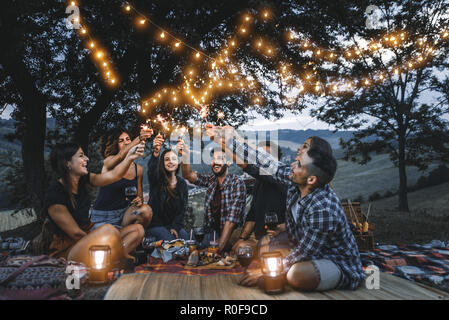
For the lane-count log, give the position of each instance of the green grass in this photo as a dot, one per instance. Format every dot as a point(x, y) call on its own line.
point(378, 175)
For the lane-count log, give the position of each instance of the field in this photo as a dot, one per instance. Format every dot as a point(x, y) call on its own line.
point(427, 220)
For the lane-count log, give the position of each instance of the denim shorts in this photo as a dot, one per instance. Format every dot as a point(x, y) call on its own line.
point(329, 274)
point(113, 217)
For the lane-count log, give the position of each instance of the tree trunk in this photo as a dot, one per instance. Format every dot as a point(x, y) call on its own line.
point(33, 127)
point(33, 154)
point(89, 119)
point(403, 201)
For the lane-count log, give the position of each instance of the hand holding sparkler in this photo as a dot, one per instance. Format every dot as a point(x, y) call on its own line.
point(182, 149)
point(157, 143)
point(145, 132)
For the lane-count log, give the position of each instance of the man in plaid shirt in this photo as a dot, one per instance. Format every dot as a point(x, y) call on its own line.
point(225, 201)
point(321, 250)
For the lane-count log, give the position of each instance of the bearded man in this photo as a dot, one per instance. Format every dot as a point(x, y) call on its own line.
point(225, 200)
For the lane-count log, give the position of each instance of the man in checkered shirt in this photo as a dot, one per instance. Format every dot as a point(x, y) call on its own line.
point(225, 201)
point(319, 249)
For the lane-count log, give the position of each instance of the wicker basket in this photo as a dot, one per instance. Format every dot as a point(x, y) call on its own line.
point(365, 242)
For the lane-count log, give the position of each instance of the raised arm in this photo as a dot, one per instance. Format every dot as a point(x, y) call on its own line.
point(111, 161)
point(153, 163)
point(108, 177)
point(244, 152)
point(187, 172)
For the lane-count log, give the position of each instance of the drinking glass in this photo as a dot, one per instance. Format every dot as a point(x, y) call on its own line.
point(130, 193)
point(199, 234)
point(245, 255)
point(271, 220)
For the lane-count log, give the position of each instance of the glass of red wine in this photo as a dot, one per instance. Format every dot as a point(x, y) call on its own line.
point(199, 235)
point(271, 220)
point(130, 193)
point(148, 247)
point(245, 255)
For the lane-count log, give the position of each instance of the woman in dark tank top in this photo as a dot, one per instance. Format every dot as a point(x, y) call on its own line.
point(111, 206)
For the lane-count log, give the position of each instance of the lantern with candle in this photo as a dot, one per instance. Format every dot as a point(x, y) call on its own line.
point(100, 261)
point(272, 269)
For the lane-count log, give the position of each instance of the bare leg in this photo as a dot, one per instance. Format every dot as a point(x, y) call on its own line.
point(131, 236)
point(303, 276)
point(104, 235)
point(143, 218)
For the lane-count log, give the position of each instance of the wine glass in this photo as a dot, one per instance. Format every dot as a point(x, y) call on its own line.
point(130, 193)
point(271, 220)
point(148, 247)
point(245, 255)
point(199, 234)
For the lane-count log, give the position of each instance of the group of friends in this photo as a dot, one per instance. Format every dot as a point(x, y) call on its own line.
point(318, 248)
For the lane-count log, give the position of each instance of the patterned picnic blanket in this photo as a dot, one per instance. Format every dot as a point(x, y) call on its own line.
point(428, 263)
point(177, 266)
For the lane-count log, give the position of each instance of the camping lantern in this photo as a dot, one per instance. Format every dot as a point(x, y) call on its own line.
point(272, 269)
point(100, 260)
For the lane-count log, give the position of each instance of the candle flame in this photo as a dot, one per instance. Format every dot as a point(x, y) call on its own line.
point(99, 258)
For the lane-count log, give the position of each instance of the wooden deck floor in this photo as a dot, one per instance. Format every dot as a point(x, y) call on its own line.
point(165, 286)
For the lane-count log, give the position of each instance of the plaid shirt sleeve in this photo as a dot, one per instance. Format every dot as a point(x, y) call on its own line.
point(263, 160)
point(238, 202)
point(202, 180)
point(320, 223)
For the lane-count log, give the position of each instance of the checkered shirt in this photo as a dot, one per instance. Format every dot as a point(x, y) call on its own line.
point(318, 227)
point(233, 198)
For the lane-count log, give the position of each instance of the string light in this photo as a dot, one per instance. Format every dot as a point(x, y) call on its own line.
point(392, 39)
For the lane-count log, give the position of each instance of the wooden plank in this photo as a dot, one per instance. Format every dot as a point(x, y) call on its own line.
point(167, 286)
point(409, 290)
point(127, 287)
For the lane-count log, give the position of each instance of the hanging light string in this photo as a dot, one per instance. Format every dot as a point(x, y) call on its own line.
point(100, 56)
point(164, 33)
point(226, 77)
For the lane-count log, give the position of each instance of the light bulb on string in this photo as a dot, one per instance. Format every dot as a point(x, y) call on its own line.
point(162, 35)
point(128, 8)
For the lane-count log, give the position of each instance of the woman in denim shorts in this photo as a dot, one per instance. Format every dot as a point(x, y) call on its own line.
point(111, 206)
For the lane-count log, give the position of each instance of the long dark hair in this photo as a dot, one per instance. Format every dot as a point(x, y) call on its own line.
point(165, 178)
point(59, 156)
point(109, 142)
